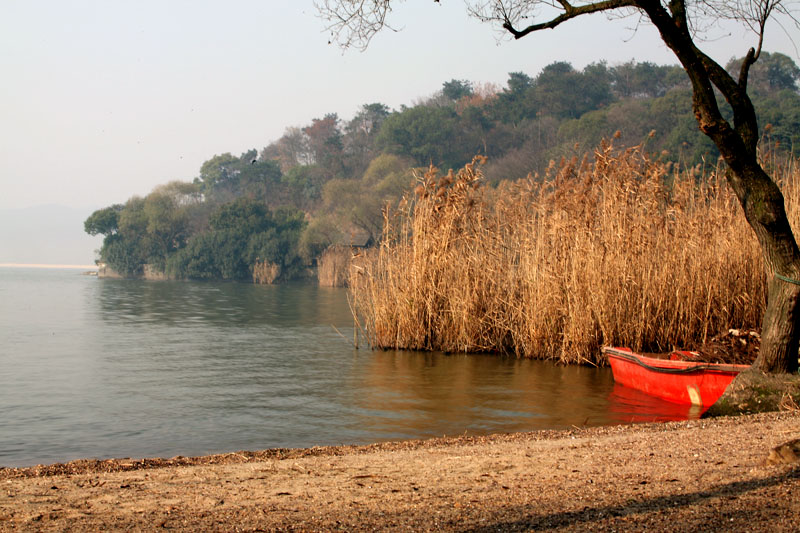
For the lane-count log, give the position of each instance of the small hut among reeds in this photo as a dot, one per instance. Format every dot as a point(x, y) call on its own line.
point(335, 263)
point(333, 266)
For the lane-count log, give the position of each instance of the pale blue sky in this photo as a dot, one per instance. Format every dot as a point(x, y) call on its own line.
point(102, 100)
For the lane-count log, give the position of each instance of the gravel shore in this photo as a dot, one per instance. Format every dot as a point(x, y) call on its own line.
point(703, 475)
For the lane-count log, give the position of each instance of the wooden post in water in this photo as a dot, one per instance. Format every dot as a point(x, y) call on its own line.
point(355, 333)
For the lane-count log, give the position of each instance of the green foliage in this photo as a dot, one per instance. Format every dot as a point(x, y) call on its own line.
point(124, 255)
point(242, 232)
point(645, 80)
point(215, 171)
point(585, 130)
point(317, 236)
point(242, 215)
point(280, 243)
point(358, 204)
point(146, 231)
point(131, 248)
point(770, 74)
point(455, 90)
point(103, 221)
point(666, 123)
point(304, 184)
point(224, 178)
point(426, 134)
point(781, 111)
point(369, 119)
point(518, 83)
point(213, 255)
point(510, 106)
point(359, 136)
point(564, 92)
point(559, 90)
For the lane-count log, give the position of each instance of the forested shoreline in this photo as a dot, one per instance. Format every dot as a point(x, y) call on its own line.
point(268, 215)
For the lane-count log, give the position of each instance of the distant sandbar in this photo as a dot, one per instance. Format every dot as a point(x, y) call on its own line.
point(34, 265)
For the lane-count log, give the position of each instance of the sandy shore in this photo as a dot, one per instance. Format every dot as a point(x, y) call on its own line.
point(707, 475)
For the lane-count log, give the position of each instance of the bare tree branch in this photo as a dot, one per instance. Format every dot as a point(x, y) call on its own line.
point(752, 14)
point(353, 23)
point(570, 12)
point(510, 14)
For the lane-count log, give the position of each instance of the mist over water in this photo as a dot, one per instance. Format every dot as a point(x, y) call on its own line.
point(96, 368)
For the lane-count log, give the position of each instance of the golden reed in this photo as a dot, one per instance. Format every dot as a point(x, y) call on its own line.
point(622, 249)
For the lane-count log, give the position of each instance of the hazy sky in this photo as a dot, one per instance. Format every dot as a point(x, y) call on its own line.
point(102, 100)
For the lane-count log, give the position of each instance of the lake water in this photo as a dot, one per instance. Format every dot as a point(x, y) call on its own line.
point(98, 368)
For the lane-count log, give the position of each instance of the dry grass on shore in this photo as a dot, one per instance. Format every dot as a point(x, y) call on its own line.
point(616, 249)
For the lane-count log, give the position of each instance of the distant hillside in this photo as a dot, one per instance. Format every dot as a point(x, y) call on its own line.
point(322, 184)
point(47, 234)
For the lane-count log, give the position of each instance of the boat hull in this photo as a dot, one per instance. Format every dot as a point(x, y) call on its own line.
point(685, 382)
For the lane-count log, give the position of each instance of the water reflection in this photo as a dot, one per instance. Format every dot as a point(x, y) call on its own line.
point(627, 405)
point(177, 303)
point(426, 394)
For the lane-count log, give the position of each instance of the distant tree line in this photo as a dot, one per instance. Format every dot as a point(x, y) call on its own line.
point(327, 182)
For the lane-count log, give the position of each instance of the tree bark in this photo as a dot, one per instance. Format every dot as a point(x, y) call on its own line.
point(779, 338)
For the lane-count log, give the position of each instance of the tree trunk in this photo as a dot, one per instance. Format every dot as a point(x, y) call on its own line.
point(763, 206)
point(779, 334)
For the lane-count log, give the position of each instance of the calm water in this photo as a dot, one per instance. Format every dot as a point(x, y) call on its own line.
point(112, 368)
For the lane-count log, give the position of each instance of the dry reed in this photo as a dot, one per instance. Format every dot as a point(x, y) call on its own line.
point(621, 250)
point(265, 273)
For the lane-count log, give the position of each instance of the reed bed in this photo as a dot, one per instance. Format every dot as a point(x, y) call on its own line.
point(616, 249)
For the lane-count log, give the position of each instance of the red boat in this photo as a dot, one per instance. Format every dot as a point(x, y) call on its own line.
point(686, 382)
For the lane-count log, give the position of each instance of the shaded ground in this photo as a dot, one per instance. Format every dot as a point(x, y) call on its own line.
point(708, 475)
